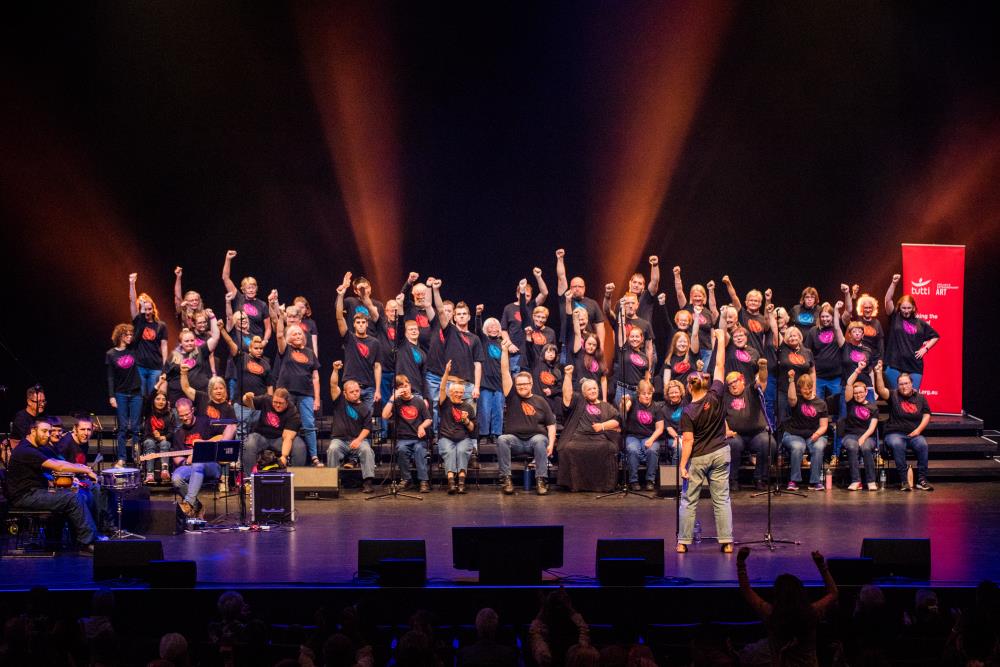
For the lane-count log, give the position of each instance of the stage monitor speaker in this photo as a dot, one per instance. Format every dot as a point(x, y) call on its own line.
point(125, 559)
point(271, 497)
point(507, 555)
point(909, 558)
point(173, 573)
point(317, 483)
point(851, 571)
point(627, 562)
point(144, 515)
point(668, 482)
point(395, 562)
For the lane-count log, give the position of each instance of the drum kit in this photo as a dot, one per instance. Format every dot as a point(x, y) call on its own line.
point(121, 481)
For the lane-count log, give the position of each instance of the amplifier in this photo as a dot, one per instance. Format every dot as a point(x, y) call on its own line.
point(271, 497)
point(317, 483)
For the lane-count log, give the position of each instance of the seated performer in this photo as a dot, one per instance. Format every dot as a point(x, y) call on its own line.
point(456, 429)
point(746, 425)
point(20, 426)
point(805, 427)
point(28, 484)
point(588, 446)
point(188, 477)
point(645, 424)
point(73, 446)
point(278, 429)
point(350, 428)
point(529, 427)
point(909, 415)
point(860, 423)
point(411, 432)
point(158, 433)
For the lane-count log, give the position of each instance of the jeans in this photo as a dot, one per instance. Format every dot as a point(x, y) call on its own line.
point(758, 444)
point(770, 400)
point(341, 449)
point(456, 454)
point(796, 446)
point(307, 414)
point(898, 443)
point(828, 387)
point(76, 507)
point(515, 364)
point(246, 419)
point(867, 452)
point(386, 389)
point(368, 398)
point(712, 469)
point(892, 378)
point(637, 452)
point(705, 355)
point(508, 445)
point(128, 412)
point(490, 412)
point(622, 391)
point(434, 389)
point(188, 479)
point(256, 443)
point(148, 447)
point(147, 379)
point(415, 450)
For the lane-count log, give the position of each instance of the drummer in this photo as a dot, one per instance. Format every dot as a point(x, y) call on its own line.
point(28, 484)
point(189, 477)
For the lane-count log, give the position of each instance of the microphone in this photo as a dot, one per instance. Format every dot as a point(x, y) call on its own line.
point(223, 422)
point(763, 407)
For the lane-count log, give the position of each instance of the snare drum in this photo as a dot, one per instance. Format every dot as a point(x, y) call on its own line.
point(120, 479)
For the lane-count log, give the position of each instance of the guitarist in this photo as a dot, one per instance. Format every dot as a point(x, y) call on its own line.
point(188, 477)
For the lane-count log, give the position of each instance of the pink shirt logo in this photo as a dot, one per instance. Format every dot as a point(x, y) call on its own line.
point(593, 366)
point(126, 361)
point(272, 419)
point(861, 412)
point(738, 403)
point(593, 410)
point(826, 337)
point(808, 410)
point(857, 356)
point(198, 342)
point(250, 310)
point(910, 328)
point(743, 355)
point(190, 362)
point(637, 360)
point(645, 417)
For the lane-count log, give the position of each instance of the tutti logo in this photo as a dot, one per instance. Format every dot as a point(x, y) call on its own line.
point(920, 286)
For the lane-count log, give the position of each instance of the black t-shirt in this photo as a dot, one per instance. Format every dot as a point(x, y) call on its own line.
point(186, 436)
point(525, 417)
point(673, 414)
point(822, 342)
point(646, 307)
point(21, 424)
point(148, 336)
point(412, 413)
point(874, 337)
point(349, 419)
point(593, 310)
point(586, 414)
point(803, 318)
point(906, 336)
point(256, 373)
point(803, 419)
point(450, 423)
point(491, 363)
point(360, 356)
point(67, 448)
point(800, 361)
point(353, 306)
point(743, 412)
point(586, 367)
point(271, 422)
point(418, 315)
point(204, 405)
point(297, 368)
point(545, 376)
point(906, 413)
point(199, 373)
point(25, 472)
point(435, 352)
point(163, 422)
point(706, 321)
point(850, 356)
point(634, 368)
point(463, 349)
point(256, 312)
point(387, 333)
point(859, 416)
point(706, 420)
point(742, 360)
point(309, 327)
point(123, 371)
point(758, 329)
point(644, 326)
point(536, 341)
point(681, 366)
point(510, 322)
point(641, 420)
point(410, 362)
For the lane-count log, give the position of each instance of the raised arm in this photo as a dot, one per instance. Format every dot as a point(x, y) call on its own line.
point(577, 332)
point(133, 307)
point(694, 341)
point(186, 387)
point(561, 283)
point(214, 331)
point(443, 390)
point(338, 306)
point(848, 302)
point(443, 318)
point(679, 288)
point(712, 308)
point(851, 379)
point(227, 265)
point(890, 307)
point(720, 350)
point(609, 291)
point(653, 286)
point(772, 319)
point(830, 597)
point(838, 330)
point(567, 388)
point(506, 382)
point(762, 373)
point(230, 343)
point(880, 388)
point(178, 290)
point(734, 298)
point(760, 606)
point(543, 289)
point(335, 380)
point(279, 323)
point(793, 398)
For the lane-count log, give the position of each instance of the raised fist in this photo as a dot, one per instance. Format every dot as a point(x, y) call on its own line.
point(762, 363)
point(878, 366)
point(895, 278)
point(791, 376)
point(337, 365)
point(568, 370)
point(726, 280)
point(272, 296)
point(654, 260)
point(844, 288)
point(661, 299)
point(699, 365)
point(537, 272)
point(522, 285)
point(230, 296)
point(209, 313)
point(609, 288)
point(341, 289)
point(230, 254)
point(677, 270)
point(862, 365)
point(710, 285)
point(413, 277)
point(560, 253)
point(178, 271)
point(479, 309)
point(132, 277)
point(855, 288)
point(769, 308)
point(839, 306)
point(768, 294)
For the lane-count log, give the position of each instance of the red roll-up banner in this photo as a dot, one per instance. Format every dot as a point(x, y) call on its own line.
point(935, 276)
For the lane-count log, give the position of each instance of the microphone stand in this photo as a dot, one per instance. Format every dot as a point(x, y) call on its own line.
point(623, 489)
point(769, 540)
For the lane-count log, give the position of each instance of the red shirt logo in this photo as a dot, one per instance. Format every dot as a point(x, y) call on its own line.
point(909, 408)
point(255, 368)
point(682, 367)
point(192, 438)
point(300, 357)
point(528, 409)
point(456, 415)
point(796, 359)
point(408, 412)
point(362, 349)
point(391, 333)
point(755, 326)
point(538, 338)
point(517, 316)
point(422, 321)
point(547, 378)
point(148, 333)
point(156, 423)
point(870, 331)
point(211, 412)
point(272, 419)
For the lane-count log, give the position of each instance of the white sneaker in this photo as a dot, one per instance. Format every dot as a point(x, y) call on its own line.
point(872, 486)
point(854, 486)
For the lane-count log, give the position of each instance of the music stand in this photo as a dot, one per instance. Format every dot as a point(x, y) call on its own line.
point(216, 451)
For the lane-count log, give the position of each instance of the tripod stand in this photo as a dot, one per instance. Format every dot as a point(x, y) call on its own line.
point(769, 541)
point(394, 490)
point(624, 491)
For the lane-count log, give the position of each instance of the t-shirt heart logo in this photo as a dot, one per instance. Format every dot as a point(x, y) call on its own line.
point(742, 355)
point(593, 410)
point(351, 412)
point(190, 362)
point(408, 412)
point(808, 410)
point(255, 368)
point(517, 316)
point(909, 328)
point(156, 423)
point(737, 403)
point(861, 412)
point(857, 356)
point(126, 361)
point(494, 351)
point(538, 338)
point(870, 331)
point(909, 408)
point(675, 416)
point(826, 337)
point(192, 438)
point(755, 326)
point(644, 416)
point(467, 339)
point(422, 321)
point(250, 309)
point(593, 366)
point(456, 415)
point(198, 342)
point(547, 378)
point(272, 419)
point(528, 409)
point(682, 367)
point(637, 360)
point(148, 333)
point(362, 349)
point(390, 333)
point(417, 356)
point(211, 412)
point(796, 359)
point(300, 357)
point(807, 318)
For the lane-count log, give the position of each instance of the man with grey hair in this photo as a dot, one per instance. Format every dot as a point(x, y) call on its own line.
point(486, 652)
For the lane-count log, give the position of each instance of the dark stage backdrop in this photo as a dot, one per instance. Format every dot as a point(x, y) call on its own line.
point(784, 144)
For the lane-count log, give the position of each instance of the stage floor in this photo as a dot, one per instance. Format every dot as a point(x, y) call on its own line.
point(320, 548)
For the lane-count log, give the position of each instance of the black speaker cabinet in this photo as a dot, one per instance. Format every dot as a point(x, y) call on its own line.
point(851, 571)
point(125, 559)
point(627, 562)
point(271, 497)
point(395, 562)
point(909, 558)
point(173, 573)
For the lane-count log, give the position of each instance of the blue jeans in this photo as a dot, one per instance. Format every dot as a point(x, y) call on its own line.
point(867, 452)
point(256, 443)
point(770, 400)
point(832, 387)
point(705, 355)
point(515, 364)
point(246, 419)
point(796, 446)
point(455, 454)
point(386, 388)
point(508, 445)
point(129, 413)
point(892, 378)
point(188, 479)
point(148, 447)
point(305, 405)
point(76, 507)
point(341, 449)
point(147, 379)
point(711, 469)
point(434, 388)
point(637, 452)
point(758, 444)
point(490, 412)
point(621, 391)
point(415, 451)
point(898, 443)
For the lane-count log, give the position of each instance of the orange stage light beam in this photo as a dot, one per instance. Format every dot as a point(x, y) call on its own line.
point(347, 53)
point(666, 68)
